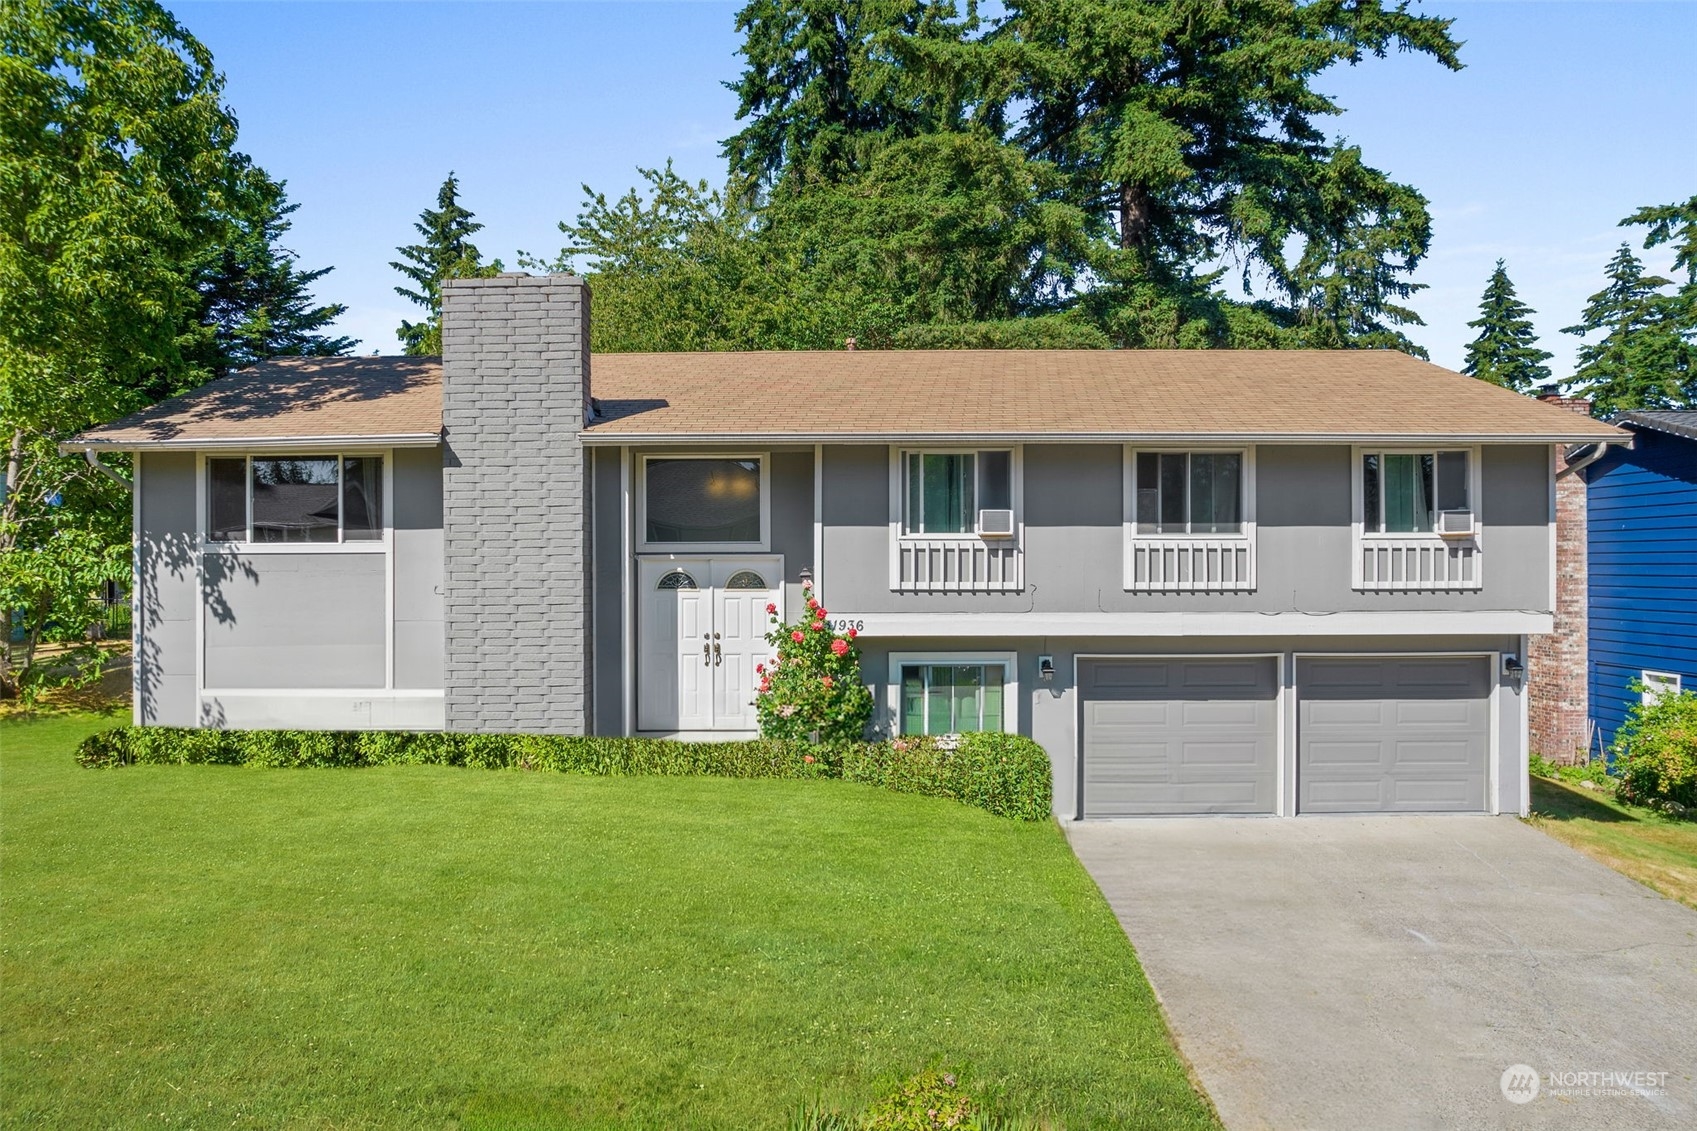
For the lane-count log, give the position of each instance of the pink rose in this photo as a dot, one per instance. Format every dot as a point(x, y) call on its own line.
point(759, 668)
point(852, 634)
point(771, 609)
point(765, 685)
point(818, 626)
point(807, 584)
point(797, 637)
point(808, 758)
point(840, 647)
point(827, 682)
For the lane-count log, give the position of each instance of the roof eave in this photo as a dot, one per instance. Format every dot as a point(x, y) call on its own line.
point(253, 443)
point(614, 438)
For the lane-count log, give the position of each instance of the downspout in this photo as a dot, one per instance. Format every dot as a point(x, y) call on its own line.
point(94, 462)
point(1586, 461)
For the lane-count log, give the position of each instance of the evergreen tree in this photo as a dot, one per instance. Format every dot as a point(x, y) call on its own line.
point(255, 302)
point(828, 83)
point(1642, 359)
point(446, 253)
point(1506, 351)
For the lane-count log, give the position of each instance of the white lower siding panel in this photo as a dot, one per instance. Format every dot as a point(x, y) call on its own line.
point(322, 710)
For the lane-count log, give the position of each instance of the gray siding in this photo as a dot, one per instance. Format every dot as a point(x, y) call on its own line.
point(608, 617)
point(1074, 540)
point(166, 605)
point(792, 520)
point(1050, 712)
point(295, 621)
point(515, 374)
point(418, 568)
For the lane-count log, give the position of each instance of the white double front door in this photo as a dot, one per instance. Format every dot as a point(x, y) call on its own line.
point(701, 629)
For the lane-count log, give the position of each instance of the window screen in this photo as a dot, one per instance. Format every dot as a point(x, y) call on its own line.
point(941, 493)
point(1189, 492)
point(226, 500)
point(362, 499)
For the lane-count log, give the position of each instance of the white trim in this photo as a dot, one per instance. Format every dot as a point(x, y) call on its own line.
point(976, 559)
point(1525, 760)
point(330, 692)
point(1016, 491)
point(819, 522)
point(763, 546)
point(282, 444)
point(1361, 538)
point(1132, 538)
point(1279, 701)
point(1495, 622)
point(1010, 682)
point(200, 583)
point(1493, 740)
point(341, 545)
point(136, 565)
point(1658, 683)
point(388, 543)
point(627, 594)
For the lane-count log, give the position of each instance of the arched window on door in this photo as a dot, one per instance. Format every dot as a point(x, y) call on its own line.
point(677, 579)
point(746, 579)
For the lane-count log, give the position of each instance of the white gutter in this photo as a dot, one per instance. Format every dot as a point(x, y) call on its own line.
point(94, 462)
point(257, 443)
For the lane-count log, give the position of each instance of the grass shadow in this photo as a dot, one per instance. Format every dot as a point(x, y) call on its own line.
point(1557, 802)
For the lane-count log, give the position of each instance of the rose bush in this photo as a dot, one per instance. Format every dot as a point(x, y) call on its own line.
point(813, 687)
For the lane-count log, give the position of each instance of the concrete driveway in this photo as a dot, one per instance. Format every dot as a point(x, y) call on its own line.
point(1384, 972)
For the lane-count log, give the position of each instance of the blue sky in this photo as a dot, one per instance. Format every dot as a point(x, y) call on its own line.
point(1568, 116)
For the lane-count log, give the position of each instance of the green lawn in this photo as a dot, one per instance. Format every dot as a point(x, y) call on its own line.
point(437, 947)
point(1651, 847)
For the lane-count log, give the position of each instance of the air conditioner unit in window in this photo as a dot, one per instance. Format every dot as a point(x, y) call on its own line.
point(1455, 524)
point(995, 524)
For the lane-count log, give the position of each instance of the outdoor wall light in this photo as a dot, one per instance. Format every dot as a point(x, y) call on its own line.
point(1046, 668)
point(1513, 668)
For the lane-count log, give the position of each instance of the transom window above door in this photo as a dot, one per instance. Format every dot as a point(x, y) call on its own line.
point(704, 501)
point(958, 493)
point(1188, 492)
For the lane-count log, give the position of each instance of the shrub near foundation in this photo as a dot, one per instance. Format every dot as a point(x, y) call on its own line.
point(1655, 753)
point(1004, 774)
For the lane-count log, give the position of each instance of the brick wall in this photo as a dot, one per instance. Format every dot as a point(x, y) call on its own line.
point(1557, 665)
point(515, 373)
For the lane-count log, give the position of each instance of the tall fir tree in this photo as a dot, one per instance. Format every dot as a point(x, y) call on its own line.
point(256, 302)
point(1506, 351)
point(446, 253)
point(1641, 359)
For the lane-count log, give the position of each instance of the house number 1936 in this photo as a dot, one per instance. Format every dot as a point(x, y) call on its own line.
point(843, 625)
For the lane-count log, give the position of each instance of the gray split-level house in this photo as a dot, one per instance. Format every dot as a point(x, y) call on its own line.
point(1206, 582)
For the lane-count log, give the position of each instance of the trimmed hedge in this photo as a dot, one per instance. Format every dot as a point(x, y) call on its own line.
point(1004, 774)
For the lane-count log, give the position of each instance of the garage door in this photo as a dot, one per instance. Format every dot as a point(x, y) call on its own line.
point(1179, 735)
point(1392, 735)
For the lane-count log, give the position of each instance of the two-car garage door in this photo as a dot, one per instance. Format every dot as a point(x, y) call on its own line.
point(1201, 734)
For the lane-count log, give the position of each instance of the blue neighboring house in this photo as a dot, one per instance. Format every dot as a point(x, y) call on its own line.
point(1642, 505)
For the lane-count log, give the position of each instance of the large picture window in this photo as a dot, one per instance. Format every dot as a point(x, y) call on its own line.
point(1189, 492)
point(945, 491)
point(294, 499)
point(1404, 492)
point(703, 501)
point(947, 698)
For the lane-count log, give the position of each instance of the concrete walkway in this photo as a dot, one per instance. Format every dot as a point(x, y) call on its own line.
point(1384, 972)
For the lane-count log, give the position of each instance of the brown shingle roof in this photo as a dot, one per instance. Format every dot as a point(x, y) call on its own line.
point(396, 399)
point(898, 394)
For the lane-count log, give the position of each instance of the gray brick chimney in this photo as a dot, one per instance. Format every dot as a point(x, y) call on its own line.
point(515, 380)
